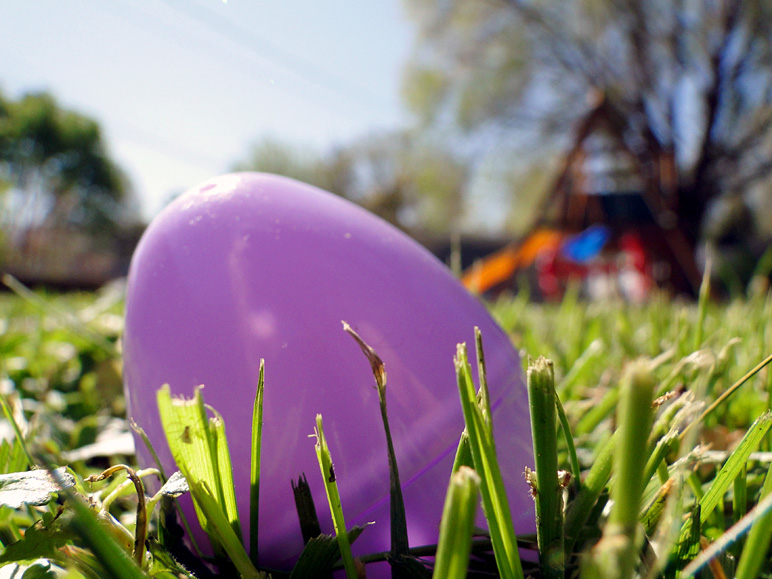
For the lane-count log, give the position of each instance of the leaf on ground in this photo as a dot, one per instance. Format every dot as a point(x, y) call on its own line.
point(116, 444)
point(35, 487)
point(41, 569)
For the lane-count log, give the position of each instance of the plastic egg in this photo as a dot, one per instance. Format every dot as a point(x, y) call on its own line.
point(249, 266)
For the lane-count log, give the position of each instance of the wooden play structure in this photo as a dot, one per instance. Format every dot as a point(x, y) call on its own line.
point(609, 223)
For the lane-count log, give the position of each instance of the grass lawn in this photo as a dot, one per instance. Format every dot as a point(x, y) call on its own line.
point(661, 430)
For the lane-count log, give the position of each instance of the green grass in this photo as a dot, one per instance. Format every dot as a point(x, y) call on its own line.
point(658, 485)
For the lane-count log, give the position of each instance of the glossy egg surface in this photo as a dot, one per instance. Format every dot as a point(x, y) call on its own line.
point(249, 266)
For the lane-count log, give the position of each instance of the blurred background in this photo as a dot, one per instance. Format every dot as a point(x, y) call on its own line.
point(619, 143)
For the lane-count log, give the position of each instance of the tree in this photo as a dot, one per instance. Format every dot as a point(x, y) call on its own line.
point(695, 76)
point(55, 170)
point(413, 184)
point(410, 181)
point(273, 155)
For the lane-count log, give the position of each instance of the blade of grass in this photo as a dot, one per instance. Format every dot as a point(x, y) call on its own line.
point(199, 447)
point(581, 506)
point(663, 527)
point(661, 449)
point(688, 545)
point(702, 308)
point(306, 509)
point(739, 505)
point(163, 534)
point(598, 413)
point(483, 396)
point(740, 495)
point(729, 391)
point(320, 555)
point(730, 470)
point(8, 411)
point(463, 453)
point(756, 547)
point(651, 513)
point(143, 435)
point(548, 492)
point(634, 418)
point(12, 456)
point(184, 425)
point(398, 520)
point(734, 464)
point(754, 552)
point(590, 354)
point(223, 532)
point(573, 458)
point(495, 503)
point(254, 473)
point(226, 489)
point(457, 524)
point(67, 319)
point(616, 554)
point(333, 498)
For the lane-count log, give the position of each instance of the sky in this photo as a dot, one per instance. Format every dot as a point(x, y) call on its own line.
point(182, 88)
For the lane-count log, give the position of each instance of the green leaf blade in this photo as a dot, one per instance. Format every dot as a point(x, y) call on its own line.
point(495, 502)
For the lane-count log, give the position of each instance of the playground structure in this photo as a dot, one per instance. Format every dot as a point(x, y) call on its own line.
point(609, 223)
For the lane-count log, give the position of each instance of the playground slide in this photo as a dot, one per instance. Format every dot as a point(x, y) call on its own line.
point(502, 265)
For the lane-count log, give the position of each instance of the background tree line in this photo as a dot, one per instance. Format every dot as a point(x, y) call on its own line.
point(55, 170)
point(67, 212)
point(495, 88)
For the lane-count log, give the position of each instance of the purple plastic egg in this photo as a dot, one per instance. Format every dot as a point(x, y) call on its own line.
point(249, 266)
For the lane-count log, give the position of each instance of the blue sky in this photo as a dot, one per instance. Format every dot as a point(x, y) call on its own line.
point(183, 87)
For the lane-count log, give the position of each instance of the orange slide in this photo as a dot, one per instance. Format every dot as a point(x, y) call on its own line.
point(501, 266)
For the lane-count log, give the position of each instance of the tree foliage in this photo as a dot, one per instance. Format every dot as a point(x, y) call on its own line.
point(694, 74)
point(415, 185)
point(55, 168)
point(273, 155)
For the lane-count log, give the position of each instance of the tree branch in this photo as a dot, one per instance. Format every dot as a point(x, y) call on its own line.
point(712, 99)
point(573, 54)
point(757, 130)
point(762, 171)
